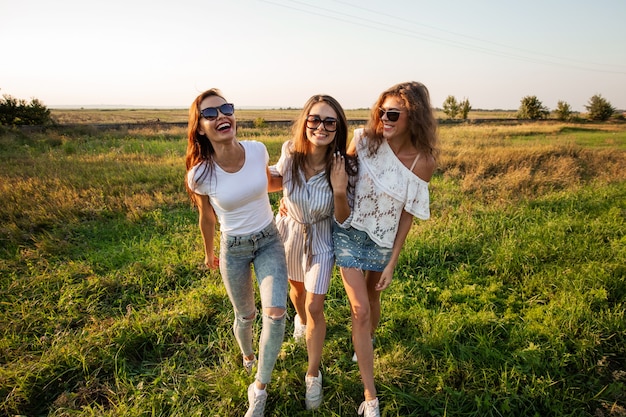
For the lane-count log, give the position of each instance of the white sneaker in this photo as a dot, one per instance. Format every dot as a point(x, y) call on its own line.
point(257, 402)
point(314, 394)
point(369, 408)
point(249, 364)
point(299, 329)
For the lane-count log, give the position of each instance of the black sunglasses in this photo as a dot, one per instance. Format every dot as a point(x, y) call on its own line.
point(330, 123)
point(210, 113)
point(392, 115)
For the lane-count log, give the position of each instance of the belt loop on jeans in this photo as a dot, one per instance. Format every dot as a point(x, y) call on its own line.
point(266, 232)
point(261, 234)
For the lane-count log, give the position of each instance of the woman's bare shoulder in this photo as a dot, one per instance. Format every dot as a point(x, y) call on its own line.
point(425, 167)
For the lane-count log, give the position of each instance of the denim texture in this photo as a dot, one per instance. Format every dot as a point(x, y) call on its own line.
point(355, 249)
point(265, 252)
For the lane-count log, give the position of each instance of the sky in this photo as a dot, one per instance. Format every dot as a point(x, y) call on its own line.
point(278, 53)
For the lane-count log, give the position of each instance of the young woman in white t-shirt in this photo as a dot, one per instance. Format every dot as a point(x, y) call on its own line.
point(227, 180)
point(396, 153)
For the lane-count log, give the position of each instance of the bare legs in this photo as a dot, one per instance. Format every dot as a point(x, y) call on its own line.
point(297, 295)
point(310, 308)
point(365, 312)
point(371, 278)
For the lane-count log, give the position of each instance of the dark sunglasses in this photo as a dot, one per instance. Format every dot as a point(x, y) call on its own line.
point(210, 113)
point(313, 122)
point(392, 115)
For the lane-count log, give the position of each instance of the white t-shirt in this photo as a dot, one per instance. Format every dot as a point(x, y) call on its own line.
point(240, 199)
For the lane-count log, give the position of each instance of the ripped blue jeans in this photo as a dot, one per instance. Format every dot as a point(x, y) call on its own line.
point(265, 251)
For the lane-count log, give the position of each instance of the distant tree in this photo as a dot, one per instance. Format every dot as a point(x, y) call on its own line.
point(563, 111)
point(259, 123)
point(450, 107)
point(9, 109)
point(531, 108)
point(599, 108)
point(38, 113)
point(15, 111)
point(464, 108)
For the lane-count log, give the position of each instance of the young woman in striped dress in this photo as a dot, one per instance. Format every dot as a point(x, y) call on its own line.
point(307, 166)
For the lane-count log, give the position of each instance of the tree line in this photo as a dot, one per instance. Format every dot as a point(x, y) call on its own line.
point(19, 112)
point(531, 108)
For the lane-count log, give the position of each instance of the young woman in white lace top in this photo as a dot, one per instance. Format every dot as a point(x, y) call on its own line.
point(396, 153)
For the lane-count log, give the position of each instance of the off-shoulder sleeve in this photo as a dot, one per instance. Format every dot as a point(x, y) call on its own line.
point(417, 198)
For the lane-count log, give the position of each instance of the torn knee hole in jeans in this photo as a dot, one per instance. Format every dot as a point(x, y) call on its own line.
point(277, 317)
point(246, 319)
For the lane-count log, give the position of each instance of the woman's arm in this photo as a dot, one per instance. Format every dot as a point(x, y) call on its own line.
point(207, 222)
point(406, 221)
point(351, 149)
point(274, 182)
point(339, 181)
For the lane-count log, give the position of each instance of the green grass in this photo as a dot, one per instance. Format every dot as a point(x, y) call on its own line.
point(510, 301)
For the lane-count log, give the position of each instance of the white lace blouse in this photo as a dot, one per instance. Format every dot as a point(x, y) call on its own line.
point(384, 188)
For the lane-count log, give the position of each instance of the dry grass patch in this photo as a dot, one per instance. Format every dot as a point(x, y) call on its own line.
point(504, 162)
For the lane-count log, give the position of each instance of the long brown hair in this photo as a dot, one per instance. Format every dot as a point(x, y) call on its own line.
point(301, 146)
point(422, 121)
point(199, 147)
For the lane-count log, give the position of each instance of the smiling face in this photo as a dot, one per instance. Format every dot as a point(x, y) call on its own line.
point(223, 128)
point(400, 127)
point(319, 136)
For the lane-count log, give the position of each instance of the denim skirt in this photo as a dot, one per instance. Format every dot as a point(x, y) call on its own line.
point(355, 249)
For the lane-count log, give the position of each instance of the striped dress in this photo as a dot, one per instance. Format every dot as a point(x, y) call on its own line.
point(307, 228)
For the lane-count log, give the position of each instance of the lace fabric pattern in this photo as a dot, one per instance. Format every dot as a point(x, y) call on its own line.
point(385, 187)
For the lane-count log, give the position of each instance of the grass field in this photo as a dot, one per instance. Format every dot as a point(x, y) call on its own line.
point(87, 116)
point(65, 116)
point(509, 301)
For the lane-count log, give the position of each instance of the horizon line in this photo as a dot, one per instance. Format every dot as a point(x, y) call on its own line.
point(142, 107)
